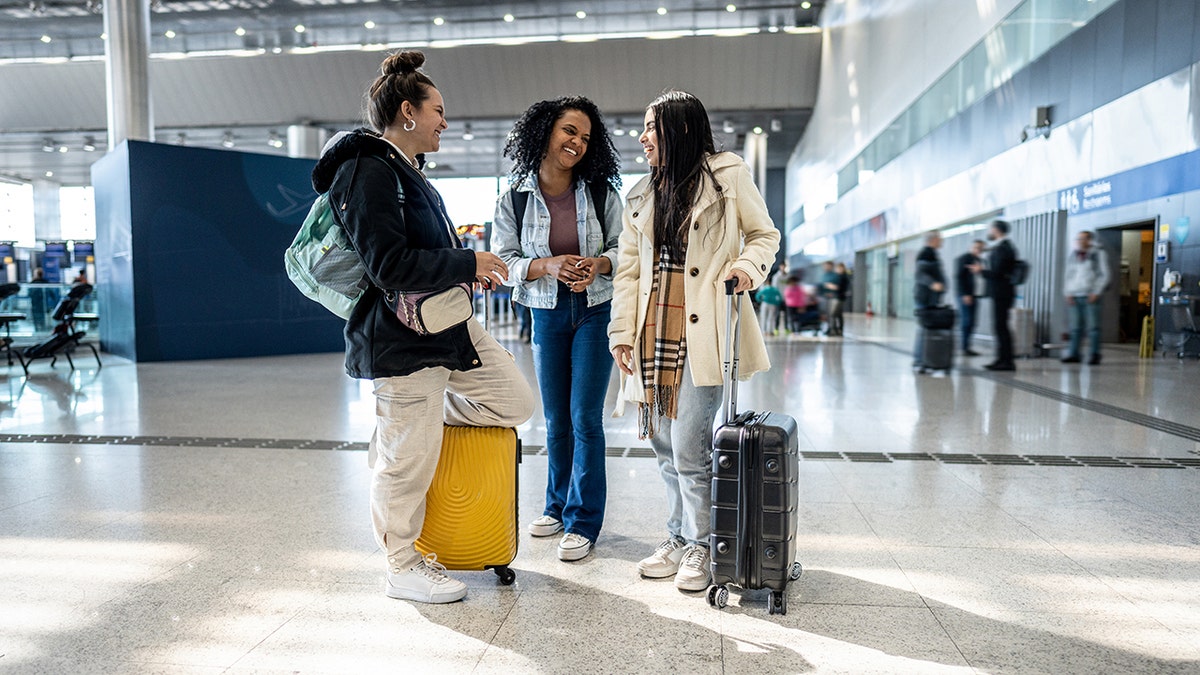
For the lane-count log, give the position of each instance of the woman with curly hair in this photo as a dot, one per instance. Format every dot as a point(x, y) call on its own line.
point(695, 222)
point(556, 229)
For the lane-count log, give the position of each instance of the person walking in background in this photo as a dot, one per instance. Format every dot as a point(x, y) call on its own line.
point(927, 292)
point(967, 270)
point(696, 221)
point(837, 304)
point(557, 230)
point(795, 301)
point(461, 376)
point(1085, 279)
point(1001, 261)
point(827, 289)
point(770, 306)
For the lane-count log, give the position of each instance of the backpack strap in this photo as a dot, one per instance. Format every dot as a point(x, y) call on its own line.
point(520, 201)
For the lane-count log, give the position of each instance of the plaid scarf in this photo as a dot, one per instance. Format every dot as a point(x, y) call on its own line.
point(664, 345)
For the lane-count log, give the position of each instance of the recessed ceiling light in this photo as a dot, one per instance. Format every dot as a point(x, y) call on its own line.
point(758, 130)
point(468, 135)
point(662, 11)
point(300, 28)
point(806, 5)
point(639, 159)
point(276, 50)
point(731, 7)
point(227, 140)
point(509, 18)
point(49, 174)
point(46, 38)
point(89, 143)
point(431, 165)
point(239, 31)
point(633, 133)
point(104, 36)
point(437, 21)
point(369, 25)
point(581, 14)
point(63, 149)
point(169, 34)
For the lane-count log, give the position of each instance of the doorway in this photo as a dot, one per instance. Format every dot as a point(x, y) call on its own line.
point(1130, 296)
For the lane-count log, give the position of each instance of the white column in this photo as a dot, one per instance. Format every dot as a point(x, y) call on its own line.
point(47, 218)
point(305, 141)
point(127, 70)
point(755, 153)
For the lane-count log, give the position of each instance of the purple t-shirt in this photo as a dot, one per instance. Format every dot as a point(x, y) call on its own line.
point(564, 231)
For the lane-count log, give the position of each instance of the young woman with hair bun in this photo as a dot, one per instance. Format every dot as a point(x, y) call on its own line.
point(397, 223)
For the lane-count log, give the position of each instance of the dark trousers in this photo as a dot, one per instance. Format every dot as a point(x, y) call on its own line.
point(1004, 344)
point(966, 314)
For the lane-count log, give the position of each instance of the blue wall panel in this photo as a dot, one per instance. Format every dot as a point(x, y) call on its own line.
point(208, 229)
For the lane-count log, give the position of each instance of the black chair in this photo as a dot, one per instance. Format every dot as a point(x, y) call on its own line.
point(65, 339)
point(8, 318)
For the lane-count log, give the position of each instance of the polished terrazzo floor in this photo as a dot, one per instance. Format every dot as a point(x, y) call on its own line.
point(1046, 521)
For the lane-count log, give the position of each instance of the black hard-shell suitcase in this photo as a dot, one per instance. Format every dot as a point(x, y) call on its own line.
point(755, 492)
point(937, 317)
point(937, 352)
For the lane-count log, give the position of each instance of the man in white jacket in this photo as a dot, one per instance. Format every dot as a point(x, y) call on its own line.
point(1085, 280)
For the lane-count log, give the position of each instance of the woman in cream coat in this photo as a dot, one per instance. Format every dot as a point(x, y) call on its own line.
point(694, 222)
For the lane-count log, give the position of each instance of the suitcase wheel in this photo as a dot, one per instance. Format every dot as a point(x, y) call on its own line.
point(718, 596)
point(507, 576)
point(778, 602)
point(795, 571)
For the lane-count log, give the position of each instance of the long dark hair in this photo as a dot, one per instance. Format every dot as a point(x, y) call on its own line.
point(530, 136)
point(399, 81)
point(684, 141)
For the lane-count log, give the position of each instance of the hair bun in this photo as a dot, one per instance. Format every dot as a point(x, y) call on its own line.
point(403, 63)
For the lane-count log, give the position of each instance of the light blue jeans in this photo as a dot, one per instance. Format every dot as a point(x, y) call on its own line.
point(1084, 312)
point(684, 450)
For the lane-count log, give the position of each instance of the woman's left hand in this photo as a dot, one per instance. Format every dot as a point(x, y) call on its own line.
point(743, 281)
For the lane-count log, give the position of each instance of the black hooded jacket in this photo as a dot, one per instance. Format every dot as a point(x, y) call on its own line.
point(398, 225)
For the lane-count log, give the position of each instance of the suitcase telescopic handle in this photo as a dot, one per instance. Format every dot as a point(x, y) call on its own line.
point(732, 345)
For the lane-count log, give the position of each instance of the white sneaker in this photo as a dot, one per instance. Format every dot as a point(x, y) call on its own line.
point(574, 547)
point(693, 569)
point(545, 526)
point(425, 582)
point(664, 562)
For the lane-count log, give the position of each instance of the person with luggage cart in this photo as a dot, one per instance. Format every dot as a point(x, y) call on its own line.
point(694, 222)
point(460, 376)
point(556, 228)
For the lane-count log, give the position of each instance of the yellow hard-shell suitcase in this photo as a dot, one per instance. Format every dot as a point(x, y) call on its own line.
point(471, 507)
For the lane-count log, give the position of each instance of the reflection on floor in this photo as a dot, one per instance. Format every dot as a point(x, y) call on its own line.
point(142, 531)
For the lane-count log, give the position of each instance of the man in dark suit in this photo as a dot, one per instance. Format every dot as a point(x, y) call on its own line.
point(967, 269)
point(1002, 259)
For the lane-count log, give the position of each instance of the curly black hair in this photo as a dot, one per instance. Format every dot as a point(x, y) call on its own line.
point(530, 136)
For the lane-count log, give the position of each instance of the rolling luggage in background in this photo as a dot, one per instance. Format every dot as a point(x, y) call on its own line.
point(755, 492)
point(937, 352)
point(471, 507)
point(941, 318)
point(1024, 332)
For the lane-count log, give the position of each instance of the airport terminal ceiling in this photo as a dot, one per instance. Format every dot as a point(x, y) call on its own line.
point(237, 74)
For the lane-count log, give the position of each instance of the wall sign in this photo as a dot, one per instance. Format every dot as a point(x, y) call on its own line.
point(1159, 179)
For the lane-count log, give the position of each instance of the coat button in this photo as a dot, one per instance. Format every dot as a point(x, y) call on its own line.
point(696, 226)
point(764, 267)
point(693, 318)
point(474, 362)
point(695, 271)
point(635, 214)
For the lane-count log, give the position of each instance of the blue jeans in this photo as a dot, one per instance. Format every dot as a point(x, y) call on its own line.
point(1083, 312)
point(684, 450)
point(967, 321)
point(570, 354)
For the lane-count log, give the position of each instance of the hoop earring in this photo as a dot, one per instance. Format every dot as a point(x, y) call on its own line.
point(408, 128)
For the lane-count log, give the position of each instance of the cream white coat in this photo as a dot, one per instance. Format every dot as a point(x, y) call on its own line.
point(745, 239)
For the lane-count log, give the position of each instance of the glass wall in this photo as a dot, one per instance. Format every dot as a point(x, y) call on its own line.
point(1028, 32)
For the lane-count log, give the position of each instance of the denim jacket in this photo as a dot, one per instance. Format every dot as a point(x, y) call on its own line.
point(596, 238)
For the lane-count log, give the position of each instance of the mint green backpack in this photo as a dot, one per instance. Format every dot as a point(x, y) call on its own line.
point(323, 264)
